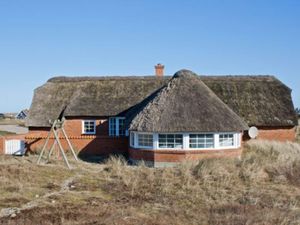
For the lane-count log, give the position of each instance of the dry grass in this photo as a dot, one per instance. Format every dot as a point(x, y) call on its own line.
point(298, 131)
point(12, 122)
point(4, 133)
point(260, 188)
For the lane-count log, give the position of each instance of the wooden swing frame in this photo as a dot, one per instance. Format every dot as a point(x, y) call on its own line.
point(57, 126)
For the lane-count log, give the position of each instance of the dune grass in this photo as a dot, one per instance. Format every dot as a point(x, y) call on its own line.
point(12, 122)
point(5, 133)
point(298, 132)
point(262, 187)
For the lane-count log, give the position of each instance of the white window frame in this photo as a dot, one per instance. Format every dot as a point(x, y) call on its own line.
point(117, 124)
point(170, 134)
point(186, 141)
point(143, 146)
point(83, 126)
point(213, 140)
point(234, 140)
point(132, 139)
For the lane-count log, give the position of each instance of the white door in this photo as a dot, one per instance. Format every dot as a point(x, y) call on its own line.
point(14, 147)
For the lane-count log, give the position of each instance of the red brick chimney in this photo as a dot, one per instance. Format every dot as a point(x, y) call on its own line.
point(159, 70)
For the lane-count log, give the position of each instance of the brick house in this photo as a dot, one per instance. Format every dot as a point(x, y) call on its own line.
point(162, 119)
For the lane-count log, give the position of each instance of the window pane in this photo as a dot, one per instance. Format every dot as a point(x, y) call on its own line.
point(226, 140)
point(122, 130)
point(162, 136)
point(112, 126)
point(132, 139)
point(89, 127)
point(209, 145)
point(170, 140)
point(170, 145)
point(201, 140)
point(114, 129)
point(145, 140)
point(193, 141)
point(193, 135)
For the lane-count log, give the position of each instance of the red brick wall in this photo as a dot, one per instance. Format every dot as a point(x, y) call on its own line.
point(92, 145)
point(97, 144)
point(275, 134)
point(1, 145)
point(73, 128)
point(101, 143)
point(180, 155)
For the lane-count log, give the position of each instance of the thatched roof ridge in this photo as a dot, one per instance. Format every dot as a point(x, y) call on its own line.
point(186, 104)
point(245, 78)
point(104, 78)
point(259, 100)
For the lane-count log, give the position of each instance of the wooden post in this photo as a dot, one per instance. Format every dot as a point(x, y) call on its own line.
point(46, 143)
point(51, 150)
point(61, 149)
point(69, 143)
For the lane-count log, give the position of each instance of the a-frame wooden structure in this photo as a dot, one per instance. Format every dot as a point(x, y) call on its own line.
point(57, 128)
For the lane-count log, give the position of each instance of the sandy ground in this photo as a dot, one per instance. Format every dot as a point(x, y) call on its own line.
point(14, 129)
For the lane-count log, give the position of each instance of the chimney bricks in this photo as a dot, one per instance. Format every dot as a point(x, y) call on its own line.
point(159, 70)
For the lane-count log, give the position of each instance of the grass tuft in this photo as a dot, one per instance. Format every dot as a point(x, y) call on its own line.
point(262, 187)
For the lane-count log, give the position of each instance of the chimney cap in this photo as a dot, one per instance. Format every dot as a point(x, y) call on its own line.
point(159, 65)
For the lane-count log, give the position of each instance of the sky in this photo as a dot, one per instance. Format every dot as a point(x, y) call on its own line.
point(42, 39)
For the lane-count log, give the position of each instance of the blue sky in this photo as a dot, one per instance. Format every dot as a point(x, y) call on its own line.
point(42, 39)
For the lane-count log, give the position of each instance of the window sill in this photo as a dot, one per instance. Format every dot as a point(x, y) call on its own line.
point(186, 150)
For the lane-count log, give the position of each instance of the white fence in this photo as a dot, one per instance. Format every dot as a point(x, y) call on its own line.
point(14, 147)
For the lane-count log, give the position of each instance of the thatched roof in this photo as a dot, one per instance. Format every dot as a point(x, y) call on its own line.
point(259, 100)
point(185, 103)
point(88, 96)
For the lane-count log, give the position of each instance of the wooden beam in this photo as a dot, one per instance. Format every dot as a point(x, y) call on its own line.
point(61, 149)
point(51, 150)
point(46, 143)
point(69, 143)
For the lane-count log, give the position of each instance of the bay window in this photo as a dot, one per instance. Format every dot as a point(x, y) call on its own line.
point(185, 141)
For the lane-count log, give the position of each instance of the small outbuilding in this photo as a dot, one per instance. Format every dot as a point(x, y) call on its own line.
point(22, 114)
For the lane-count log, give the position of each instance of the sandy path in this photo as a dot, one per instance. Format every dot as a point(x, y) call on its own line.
point(14, 129)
